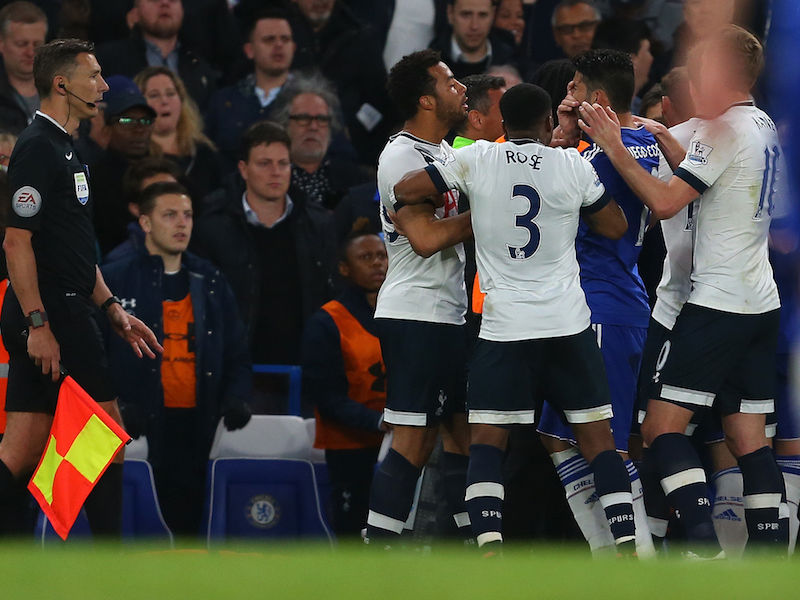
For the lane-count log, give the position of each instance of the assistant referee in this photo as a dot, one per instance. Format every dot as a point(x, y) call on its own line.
point(48, 316)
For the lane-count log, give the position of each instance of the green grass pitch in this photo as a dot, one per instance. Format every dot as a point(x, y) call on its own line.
point(270, 571)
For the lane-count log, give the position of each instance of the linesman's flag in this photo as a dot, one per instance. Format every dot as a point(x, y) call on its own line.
point(83, 442)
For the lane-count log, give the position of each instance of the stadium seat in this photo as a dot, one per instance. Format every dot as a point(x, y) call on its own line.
point(295, 377)
point(141, 514)
point(265, 436)
point(263, 499)
point(317, 455)
point(138, 449)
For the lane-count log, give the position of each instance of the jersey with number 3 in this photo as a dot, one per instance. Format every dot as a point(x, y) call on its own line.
point(735, 162)
point(416, 288)
point(525, 200)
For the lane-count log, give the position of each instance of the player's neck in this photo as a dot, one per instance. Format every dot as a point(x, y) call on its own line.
point(525, 135)
point(58, 109)
point(427, 127)
point(626, 119)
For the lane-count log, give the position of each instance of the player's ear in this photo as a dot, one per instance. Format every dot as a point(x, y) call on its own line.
point(344, 270)
point(426, 102)
point(475, 119)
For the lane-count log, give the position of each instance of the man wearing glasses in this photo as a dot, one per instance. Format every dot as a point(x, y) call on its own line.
point(574, 24)
point(129, 126)
point(309, 112)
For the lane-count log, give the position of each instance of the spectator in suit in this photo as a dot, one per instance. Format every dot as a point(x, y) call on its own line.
point(470, 45)
point(277, 249)
point(154, 42)
point(233, 109)
point(309, 111)
point(23, 27)
point(349, 54)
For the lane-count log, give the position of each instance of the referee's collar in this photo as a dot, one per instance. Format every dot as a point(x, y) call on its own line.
point(53, 121)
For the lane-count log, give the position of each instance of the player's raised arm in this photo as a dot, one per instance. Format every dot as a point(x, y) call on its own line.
point(663, 199)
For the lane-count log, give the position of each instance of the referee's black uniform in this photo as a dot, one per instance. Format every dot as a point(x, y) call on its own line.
point(51, 198)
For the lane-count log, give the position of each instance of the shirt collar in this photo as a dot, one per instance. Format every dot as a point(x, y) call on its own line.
point(52, 120)
point(155, 58)
point(458, 55)
point(266, 98)
point(252, 217)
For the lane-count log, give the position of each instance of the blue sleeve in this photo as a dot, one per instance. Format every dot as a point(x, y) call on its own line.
point(605, 170)
point(324, 378)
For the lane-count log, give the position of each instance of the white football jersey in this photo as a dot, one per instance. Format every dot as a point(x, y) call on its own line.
point(416, 288)
point(735, 162)
point(525, 200)
point(676, 283)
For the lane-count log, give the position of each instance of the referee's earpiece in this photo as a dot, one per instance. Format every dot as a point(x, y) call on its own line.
point(61, 85)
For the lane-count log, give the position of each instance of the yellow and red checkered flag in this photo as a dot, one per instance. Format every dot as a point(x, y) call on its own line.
point(83, 442)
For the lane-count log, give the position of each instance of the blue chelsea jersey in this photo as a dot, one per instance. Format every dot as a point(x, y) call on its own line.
point(609, 275)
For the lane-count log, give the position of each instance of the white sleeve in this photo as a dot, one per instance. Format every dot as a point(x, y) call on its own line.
point(455, 173)
point(712, 150)
point(590, 188)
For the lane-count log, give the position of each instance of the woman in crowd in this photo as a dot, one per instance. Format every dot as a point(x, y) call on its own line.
point(178, 131)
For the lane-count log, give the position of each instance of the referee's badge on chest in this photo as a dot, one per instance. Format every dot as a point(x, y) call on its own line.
point(81, 187)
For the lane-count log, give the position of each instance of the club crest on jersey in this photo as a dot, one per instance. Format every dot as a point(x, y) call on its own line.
point(27, 201)
point(81, 187)
point(698, 153)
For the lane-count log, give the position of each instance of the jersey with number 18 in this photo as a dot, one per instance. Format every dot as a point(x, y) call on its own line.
point(526, 201)
point(735, 162)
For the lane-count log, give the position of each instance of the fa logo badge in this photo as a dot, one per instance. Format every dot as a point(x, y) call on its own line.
point(27, 201)
point(81, 187)
point(263, 511)
point(698, 153)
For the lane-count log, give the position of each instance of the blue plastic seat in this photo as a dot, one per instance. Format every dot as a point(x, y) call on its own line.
point(141, 513)
point(263, 498)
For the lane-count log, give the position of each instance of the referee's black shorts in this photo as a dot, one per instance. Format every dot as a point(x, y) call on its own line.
point(72, 320)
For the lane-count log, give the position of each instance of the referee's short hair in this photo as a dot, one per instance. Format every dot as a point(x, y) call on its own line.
point(154, 191)
point(263, 133)
point(524, 107)
point(58, 57)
